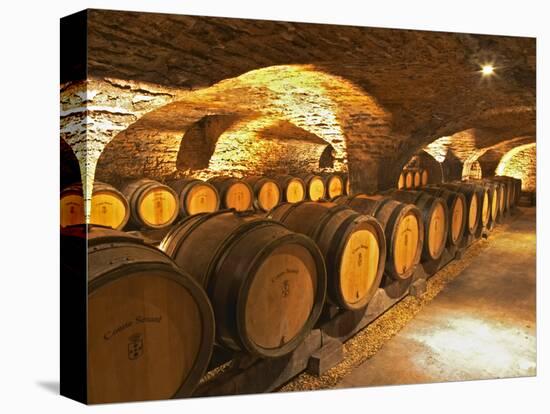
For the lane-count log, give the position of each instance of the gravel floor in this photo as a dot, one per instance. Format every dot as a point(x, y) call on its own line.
point(369, 340)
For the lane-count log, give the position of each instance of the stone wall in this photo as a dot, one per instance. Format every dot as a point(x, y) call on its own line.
point(428, 162)
point(161, 88)
point(521, 164)
point(475, 172)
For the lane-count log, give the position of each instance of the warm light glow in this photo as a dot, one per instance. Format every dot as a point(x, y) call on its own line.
point(439, 148)
point(487, 70)
point(481, 347)
point(513, 167)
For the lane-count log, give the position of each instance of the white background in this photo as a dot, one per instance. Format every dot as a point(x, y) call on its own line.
point(29, 298)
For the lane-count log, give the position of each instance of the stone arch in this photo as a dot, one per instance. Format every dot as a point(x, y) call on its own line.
point(460, 135)
point(323, 105)
point(521, 162)
point(485, 160)
point(326, 160)
point(69, 166)
point(199, 141)
point(426, 161)
point(427, 80)
point(474, 171)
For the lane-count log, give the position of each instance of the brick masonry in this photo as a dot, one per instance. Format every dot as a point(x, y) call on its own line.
point(181, 95)
point(521, 162)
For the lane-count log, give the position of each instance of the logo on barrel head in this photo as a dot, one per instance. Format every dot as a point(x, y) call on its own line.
point(135, 346)
point(286, 288)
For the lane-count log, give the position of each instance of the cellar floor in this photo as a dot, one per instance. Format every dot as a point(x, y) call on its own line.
point(481, 326)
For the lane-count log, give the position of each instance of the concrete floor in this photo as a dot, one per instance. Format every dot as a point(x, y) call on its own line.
point(481, 326)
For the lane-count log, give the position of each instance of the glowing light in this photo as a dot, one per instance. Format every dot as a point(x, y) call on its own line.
point(487, 70)
point(521, 170)
point(439, 148)
point(482, 348)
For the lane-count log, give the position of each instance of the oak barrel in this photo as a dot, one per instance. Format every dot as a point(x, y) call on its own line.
point(417, 180)
point(501, 194)
point(195, 196)
point(266, 284)
point(492, 193)
point(484, 209)
point(353, 245)
point(347, 185)
point(456, 204)
point(315, 186)
point(435, 217)
point(403, 228)
point(152, 204)
point(293, 188)
point(234, 193)
point(501, 201)
point(109, 207)
point(473, 218)
point(150, 325)
point(409, 179)
point(506, 191)
point(334, 185)
point(401, 181)
point(513, 189)
point(71, 205)
point(519, 184)
point(267, 193)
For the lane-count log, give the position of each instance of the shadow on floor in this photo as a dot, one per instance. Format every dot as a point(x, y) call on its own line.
point(51, 386)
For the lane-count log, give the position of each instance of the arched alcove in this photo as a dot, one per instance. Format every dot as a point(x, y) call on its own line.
point(521, 162)
point(326, 161)
point(424, 160)
point(69, 166)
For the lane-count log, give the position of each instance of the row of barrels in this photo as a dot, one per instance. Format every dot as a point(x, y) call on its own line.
point(411, 178)
point(150, 204)
point(254, 282)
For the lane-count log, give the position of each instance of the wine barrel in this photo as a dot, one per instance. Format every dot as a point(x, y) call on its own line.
point(501, 198)
point(401, 181)
point(514, 189)
point(409, 179)
point(267, 193)
point(152, 204)
point(294, 188)
point(347, 185)
point(424, 177)
point(315, 186)
point(493, 200)
point(435, 217)
point(72, 205)
point(519, 185)
point(456, 204)
point(150, 329)
point(234, 193)
point(353, 245)
point(484, 210)
point(507, 191)
point(109, 207)
point(334, 185)
point(403, 228)
point(501, 194)
point(472, 205)
point(417, 180)
point(266, 284)
point(195, 196)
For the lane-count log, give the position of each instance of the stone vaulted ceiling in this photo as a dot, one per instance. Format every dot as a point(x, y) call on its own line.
point(376, 95)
